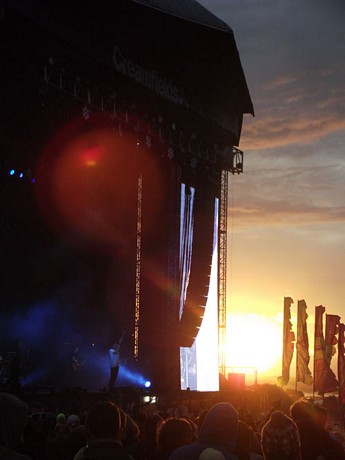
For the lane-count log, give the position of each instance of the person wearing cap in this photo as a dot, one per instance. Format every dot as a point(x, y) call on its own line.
point(280, 438)
point(217, 436)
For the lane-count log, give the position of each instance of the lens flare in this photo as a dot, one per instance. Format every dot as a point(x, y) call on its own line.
point(87, 184)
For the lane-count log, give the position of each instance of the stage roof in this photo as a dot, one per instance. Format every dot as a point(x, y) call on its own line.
point(178, 52)
point(187, 9)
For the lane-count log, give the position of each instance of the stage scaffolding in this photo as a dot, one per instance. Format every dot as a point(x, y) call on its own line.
point(231, 164)
point(193, 137)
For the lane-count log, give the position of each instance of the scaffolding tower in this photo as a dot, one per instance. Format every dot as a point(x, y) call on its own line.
point(234, 166)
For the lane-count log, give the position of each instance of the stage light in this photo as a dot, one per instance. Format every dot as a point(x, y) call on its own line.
point(12, 172)
point(147, 384)
point(21, 175)
point(149, 399)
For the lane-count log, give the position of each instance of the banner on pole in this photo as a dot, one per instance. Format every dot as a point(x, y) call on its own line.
point(332, 329)
point(324, 378)
point(341, 363)
point(288, 343)
point(303, 373)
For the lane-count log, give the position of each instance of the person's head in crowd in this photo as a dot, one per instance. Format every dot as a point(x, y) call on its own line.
point(304, 415)
point(220, 425)
point(150, 428)
point(245, 443)
point(280, 438)
point(76, 439)
point(103, 428)
point(302, 409)
point(103, 421)
point(218, 431)
point(61, 420)
point(13, 416)
point(171, 434)
point(73, 421)
point(194, 427)
point(131, 432)
point(211, 454)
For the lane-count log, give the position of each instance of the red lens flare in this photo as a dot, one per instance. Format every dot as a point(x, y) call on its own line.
point(87, 185)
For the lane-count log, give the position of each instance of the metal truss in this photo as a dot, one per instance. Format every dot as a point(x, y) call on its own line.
point(222, 269)
point(138, 270)
point(234, 166)
point(189, 145)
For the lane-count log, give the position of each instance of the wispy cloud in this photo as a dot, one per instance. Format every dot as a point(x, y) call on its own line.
point(274, 130)
point(279, 193)
point(281, 214)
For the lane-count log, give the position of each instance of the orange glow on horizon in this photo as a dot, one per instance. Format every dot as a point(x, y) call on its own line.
point(254, 341)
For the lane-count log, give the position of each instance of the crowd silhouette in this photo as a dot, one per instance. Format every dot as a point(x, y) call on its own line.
point(106, 428)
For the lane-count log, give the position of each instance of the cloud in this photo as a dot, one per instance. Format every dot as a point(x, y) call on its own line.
point(293, 59)
point(279, 194)
point(271, 131)
point(268, 214)
point(293, 109)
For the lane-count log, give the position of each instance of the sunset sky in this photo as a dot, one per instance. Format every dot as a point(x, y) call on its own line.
point(287, 211)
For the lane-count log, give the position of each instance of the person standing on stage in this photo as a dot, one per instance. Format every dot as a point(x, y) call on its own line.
point(114, 356)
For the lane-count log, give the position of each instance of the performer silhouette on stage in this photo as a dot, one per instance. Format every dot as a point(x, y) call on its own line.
point(114, 356)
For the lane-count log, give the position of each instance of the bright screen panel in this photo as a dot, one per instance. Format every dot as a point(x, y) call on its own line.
point(199, 363)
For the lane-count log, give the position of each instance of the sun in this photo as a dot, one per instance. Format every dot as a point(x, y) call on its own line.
point(254, 341)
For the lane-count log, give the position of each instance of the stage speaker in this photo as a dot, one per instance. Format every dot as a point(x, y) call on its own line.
point(236, 381)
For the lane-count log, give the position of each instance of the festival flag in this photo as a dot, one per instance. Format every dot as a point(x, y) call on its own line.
point(288, 342)
point(324, 378)
point(332, 329)
point(303, 374)
point(341, 363)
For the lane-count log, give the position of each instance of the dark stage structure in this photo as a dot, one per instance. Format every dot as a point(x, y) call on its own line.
point(108, 108)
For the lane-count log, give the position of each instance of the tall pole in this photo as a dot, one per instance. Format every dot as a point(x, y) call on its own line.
point(314, 355)
point(298, 341)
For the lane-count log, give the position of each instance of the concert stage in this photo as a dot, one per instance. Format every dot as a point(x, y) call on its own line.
point(119, 119)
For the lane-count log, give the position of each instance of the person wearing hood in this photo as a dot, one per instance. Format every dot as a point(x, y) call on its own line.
point(218, 434)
